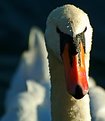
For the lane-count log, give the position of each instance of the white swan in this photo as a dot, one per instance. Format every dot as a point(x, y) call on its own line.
point(97, 101)
point(33, 66)
point(24, 105)
point(68, 38)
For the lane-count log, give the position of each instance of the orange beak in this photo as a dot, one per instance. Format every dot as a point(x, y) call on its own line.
point(75, 72)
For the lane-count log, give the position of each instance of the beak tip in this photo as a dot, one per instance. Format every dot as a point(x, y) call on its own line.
point(79, 93)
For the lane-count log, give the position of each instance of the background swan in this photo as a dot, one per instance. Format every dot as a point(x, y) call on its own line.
point(24, 105)
point(67, 22)
point(97, 101)
point(33, 66)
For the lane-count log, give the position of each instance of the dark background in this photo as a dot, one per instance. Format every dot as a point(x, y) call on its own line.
point(18, 16)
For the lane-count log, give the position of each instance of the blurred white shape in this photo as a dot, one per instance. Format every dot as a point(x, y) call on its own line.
point(97, 102)
point(24, 105)
point(92, 82)
point(33, 66)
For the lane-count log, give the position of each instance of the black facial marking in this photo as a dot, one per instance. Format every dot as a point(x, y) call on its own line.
point(64, 38)
point(74, 44)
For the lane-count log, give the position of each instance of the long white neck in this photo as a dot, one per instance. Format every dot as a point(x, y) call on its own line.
point(63, 106)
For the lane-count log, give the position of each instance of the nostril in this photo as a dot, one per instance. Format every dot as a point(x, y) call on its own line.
point(78, 92)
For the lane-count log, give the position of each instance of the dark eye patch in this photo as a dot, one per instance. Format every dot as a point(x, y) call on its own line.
point(73, 43)
point(64, 38)
point(67, 39)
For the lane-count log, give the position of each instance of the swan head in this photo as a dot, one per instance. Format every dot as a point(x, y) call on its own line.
point(69, 34)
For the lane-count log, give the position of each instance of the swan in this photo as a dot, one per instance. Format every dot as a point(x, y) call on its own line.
point(24, 105)
point(97, 101)
point(30, 74)
point(92, 82)
point(68, 37)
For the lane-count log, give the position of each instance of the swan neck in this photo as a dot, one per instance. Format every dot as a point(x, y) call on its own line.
point(63, 106)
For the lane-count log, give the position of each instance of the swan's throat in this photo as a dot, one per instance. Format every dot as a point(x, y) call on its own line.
point(64, 107)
